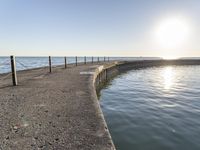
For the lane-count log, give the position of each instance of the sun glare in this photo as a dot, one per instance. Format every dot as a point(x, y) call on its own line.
point(172, 36)
point(172, 32)
point(168, 57)
point(168, 77)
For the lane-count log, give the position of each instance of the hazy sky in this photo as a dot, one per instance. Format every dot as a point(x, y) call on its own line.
point(93, 27)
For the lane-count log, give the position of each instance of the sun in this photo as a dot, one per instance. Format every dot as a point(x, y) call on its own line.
point(171, 35)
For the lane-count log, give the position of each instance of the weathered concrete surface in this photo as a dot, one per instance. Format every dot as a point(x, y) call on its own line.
point(59, 110)
point(53, 111)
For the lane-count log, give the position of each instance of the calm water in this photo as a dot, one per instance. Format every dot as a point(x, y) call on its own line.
point(154, 109)
point(23, 63)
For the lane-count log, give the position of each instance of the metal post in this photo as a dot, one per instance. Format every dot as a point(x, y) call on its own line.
point(65, 62)
point(104, 58)
point(99, 78)
point(85, 60)
point(108, 59)
point(13, 68)
point(106, 76)
point(76, 61)
point(92, 59)
point(50, 64)
point(98, 59)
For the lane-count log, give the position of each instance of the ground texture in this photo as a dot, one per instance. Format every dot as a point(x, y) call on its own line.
point(57, 110)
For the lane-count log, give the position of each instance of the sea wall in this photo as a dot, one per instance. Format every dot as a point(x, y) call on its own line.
point(105, 73)
point(129, 65)
point(108, 72)
point(62, 106)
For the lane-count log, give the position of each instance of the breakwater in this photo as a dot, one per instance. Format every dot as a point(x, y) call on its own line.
point(123, 66)
point(57, 110)
point(154, 108)
point(60, 110)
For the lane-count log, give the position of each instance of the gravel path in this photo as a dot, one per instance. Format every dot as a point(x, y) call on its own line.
point(52, 111)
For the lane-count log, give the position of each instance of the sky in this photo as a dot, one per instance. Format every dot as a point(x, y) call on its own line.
point(96, 27)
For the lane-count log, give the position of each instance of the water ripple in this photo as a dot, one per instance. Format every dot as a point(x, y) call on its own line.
point(154, 108)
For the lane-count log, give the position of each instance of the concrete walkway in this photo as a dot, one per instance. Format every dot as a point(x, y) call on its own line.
point(52, 111)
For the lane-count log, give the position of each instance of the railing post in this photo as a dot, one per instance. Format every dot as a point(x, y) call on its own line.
point(106, 75)
point(13, 68)
point(104, 58)
point(98, 59)
point(92, 59)
point(108, 59)
point(76, 61)
point(85, 60)
point(99, 78)
point(50, 64)
point(65, 62)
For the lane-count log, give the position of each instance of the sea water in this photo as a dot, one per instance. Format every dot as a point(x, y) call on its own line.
point(156, 108)
point(23, 63)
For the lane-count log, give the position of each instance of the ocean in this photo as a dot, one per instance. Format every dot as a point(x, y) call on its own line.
point(23, 63)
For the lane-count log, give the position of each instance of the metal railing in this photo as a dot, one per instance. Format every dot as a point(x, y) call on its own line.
point(13, 61)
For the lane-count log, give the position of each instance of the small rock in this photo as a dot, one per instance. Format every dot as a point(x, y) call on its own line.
point(16, 127)
point(57, 139)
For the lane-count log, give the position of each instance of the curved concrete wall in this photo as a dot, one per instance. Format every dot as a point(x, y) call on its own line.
point(103, 127)
point(105, 72)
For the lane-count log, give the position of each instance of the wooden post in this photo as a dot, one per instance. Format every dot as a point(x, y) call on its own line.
point(104, 58)
point(65, 62)
point(13, 68)
point(98, 59)
point(76, 61)
point(85, 60)
point(92, 59)
point(50, 64)
point(108, 59)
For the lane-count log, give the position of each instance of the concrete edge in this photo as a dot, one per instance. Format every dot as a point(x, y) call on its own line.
point(123, 66)
point(104, 127)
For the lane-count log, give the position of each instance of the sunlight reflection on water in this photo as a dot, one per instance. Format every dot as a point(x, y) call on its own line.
point(168, 75)
point(154, 108)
